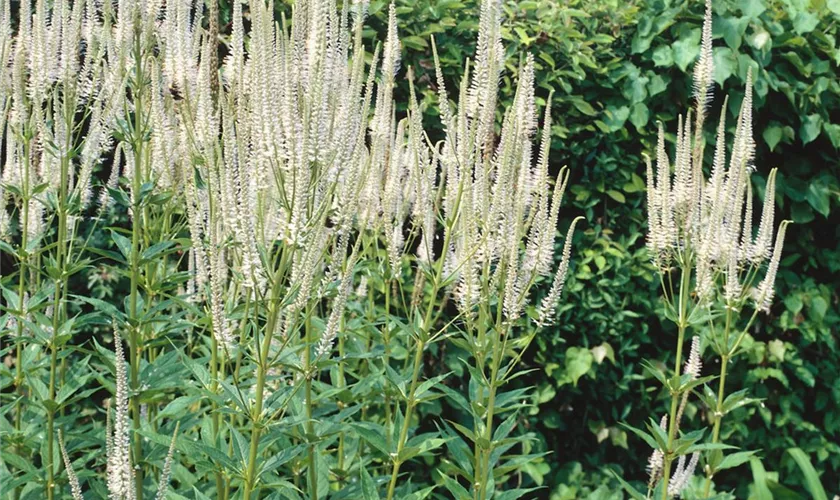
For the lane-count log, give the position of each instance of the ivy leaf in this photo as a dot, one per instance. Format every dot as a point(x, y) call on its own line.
point(657, 85)
point(578, 362)
point(686, 49)
point(810, 128)
point(805, 22)
point(818, 308)
point(639, 116)
point(832, 130)
point(726, 63)
point(752, 8)
point(818, 197)
point(663, 57)
point(772, 135)
point(615, 118)
point(732, 29)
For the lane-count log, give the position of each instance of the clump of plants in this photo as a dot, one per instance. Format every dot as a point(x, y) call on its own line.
point(717, 273)
point(293, 249)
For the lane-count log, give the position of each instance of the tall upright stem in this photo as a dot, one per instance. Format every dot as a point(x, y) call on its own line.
point(262, 351)
point(409, 408)
point(135, 340)
point(418, 361)
point(215, 369)
point(685, 283)
point(386, 335)
point(726, 354)
point(23, 261)
point(310, 427)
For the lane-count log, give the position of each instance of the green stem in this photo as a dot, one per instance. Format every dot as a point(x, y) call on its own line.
point(409, 408)
point(24, 257)
point(718, 417)
point(728, 353)
point(135, 340)
point(488, 424)
point(386, 335)
point(310, 427)
point(58, 306)
point(263, 351)
point(216, 371)
point(685, 282)
point(342, 383)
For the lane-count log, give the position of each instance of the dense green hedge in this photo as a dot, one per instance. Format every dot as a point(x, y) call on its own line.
point(617, 68)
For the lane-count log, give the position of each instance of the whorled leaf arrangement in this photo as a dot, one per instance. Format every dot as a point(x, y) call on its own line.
point(259, 195)
point(712, 265)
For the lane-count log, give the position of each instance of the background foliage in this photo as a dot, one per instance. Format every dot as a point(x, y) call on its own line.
point(617, 68)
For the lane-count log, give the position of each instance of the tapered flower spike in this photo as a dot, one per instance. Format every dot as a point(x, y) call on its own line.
point(746, 230)
point(763, 293)
point(325, 344)
point(545, 312)
point(664, 199)
point(681, 476)
point(165, 474)
point(654, 211)
point(75, 488)
point(704, 68)
point(761, 248)
point(120, 472)
point(694, 364)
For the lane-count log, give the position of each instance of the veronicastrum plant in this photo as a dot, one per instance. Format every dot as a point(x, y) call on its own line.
point(293, 249)
point(717, 273)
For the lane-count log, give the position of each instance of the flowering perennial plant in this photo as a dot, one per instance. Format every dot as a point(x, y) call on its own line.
point(295, 249)
point(713, 265)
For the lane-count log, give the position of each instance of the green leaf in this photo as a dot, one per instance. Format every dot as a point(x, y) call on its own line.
point(374, 434)
point(616, 195)
point(414, 42)
point(663, 56)
point(805, 22)
point(733, 29)
point(734, 460)
point(832, 130)
point(812, 480)
point(368, 486)
point(752, 8)
point(760, 489)
point(656, 85)
point(123, 243)
point(810, 128)
point(686, 49)
point(616, 117)
point(633, 492)
point(726, 64)
point(639, 116)
point(818, 308)
point(458, 492)
point(818, 196)
point(649, 439)
point(772, 135)
point(578, 362)
point(583, 106)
